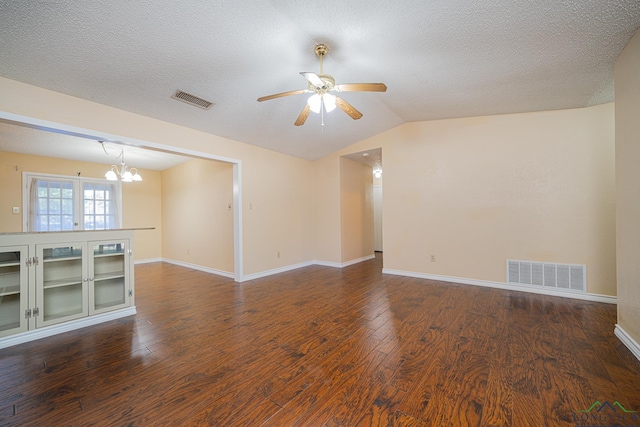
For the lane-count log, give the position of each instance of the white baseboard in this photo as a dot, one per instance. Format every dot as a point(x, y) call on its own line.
point(626, 339)
point(199, 268)
point(531, 289)
point(72, 325)
point(344, 264)
point(147, 261)
point(271, 272)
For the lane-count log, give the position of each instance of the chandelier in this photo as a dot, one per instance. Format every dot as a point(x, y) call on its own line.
point(125, 173)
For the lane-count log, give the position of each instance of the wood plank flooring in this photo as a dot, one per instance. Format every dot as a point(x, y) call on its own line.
point(320, 346)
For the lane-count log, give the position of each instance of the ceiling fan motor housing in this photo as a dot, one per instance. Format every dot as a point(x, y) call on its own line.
point(328, 83)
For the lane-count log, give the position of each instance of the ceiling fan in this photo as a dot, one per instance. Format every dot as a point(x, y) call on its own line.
point(320, 85)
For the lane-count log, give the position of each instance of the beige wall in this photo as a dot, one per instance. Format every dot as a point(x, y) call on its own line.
point(327, 237)
point(277, 197)
point(197, 216)
point(627, 79)
point(474, 192)
point(356, 210)
point(140, 200)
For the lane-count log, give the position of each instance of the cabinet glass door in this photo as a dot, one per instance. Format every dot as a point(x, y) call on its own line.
point(13, 289)
point(108, 276)
point(61, 283)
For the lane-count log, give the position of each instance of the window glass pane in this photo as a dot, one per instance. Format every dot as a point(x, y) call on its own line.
point(54, 223)
point(67, 207)
point(100, 224)
point(54, 190)
point(43, 206)
point(42, 189)
point(99, 208)
point(54, 206)
point(88, 223)
point(88, 192)
point(67, 222)
point(67, 193)
point(99, 194)
point(88, 207)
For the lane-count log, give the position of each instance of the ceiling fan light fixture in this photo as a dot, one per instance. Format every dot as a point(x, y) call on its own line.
point(315, 102)
point(329, 102)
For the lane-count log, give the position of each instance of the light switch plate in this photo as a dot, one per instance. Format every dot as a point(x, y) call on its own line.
point(16, 209)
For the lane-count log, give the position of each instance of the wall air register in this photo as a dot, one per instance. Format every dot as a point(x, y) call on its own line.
point(196, 101)
point(566, 277)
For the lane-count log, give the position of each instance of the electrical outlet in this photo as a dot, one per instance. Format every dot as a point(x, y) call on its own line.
point(433, 258)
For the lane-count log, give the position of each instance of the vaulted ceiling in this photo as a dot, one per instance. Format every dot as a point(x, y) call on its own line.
point(439, 59)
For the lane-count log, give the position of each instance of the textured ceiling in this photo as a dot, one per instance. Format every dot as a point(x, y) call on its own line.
point(439, 59)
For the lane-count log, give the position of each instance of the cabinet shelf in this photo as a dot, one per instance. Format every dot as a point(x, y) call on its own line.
point(109, 276)
point(105, 254)
point(9, 263)
point(68, 281)
point(9, 290)
point(62, 258)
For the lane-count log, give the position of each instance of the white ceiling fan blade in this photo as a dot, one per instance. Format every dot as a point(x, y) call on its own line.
point(313, 78)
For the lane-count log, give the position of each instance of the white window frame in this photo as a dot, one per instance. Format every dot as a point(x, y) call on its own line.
point(78, 189)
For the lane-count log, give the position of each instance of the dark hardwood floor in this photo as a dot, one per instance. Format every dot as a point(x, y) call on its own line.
point(325, 347)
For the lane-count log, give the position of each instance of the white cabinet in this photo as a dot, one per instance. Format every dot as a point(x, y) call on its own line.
point(55, 282)
point(109, 276)
point(13, 289)
point(61, 283)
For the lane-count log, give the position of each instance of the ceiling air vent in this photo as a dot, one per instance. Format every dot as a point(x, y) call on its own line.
point(192, 100)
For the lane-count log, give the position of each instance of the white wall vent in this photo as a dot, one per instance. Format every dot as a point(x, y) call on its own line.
point(192, 100)
point(570, 277)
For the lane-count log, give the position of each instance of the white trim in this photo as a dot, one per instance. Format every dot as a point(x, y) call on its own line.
point(626, 339)
point(358, 260)
point(328, 264)
point(238, 259)
point(344, 264)
point(278, 270)
point(531, 289)
point(147, 261)
point(72, 325)
point(199, 268)
point(95, 135)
